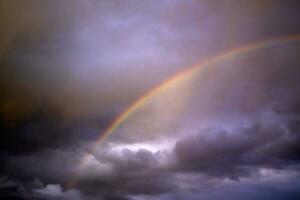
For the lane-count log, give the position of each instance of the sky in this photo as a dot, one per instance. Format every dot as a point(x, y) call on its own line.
point(227, 130)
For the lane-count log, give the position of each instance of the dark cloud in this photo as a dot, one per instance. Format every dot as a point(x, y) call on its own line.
point(67, 69)
point(41, 131)
point(132, 172)
point(234, 154)
point(264, 190)
point(35, 190)
point(15, 189)
point(213, 154)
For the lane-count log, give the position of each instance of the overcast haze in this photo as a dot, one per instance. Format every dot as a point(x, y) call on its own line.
point(69, 68)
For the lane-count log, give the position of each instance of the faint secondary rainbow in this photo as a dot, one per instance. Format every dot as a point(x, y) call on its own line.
point(177, 78)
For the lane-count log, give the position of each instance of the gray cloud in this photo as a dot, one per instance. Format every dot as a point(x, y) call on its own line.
point(233, 154)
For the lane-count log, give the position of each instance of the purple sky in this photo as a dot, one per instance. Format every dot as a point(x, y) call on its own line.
point(69, 68)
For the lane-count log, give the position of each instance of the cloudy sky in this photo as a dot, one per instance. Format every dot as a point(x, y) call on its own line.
point(69, 68)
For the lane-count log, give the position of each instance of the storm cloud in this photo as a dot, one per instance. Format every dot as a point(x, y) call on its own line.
point(69, 68)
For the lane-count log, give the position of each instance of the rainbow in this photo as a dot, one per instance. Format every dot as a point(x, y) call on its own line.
point(177, 78)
